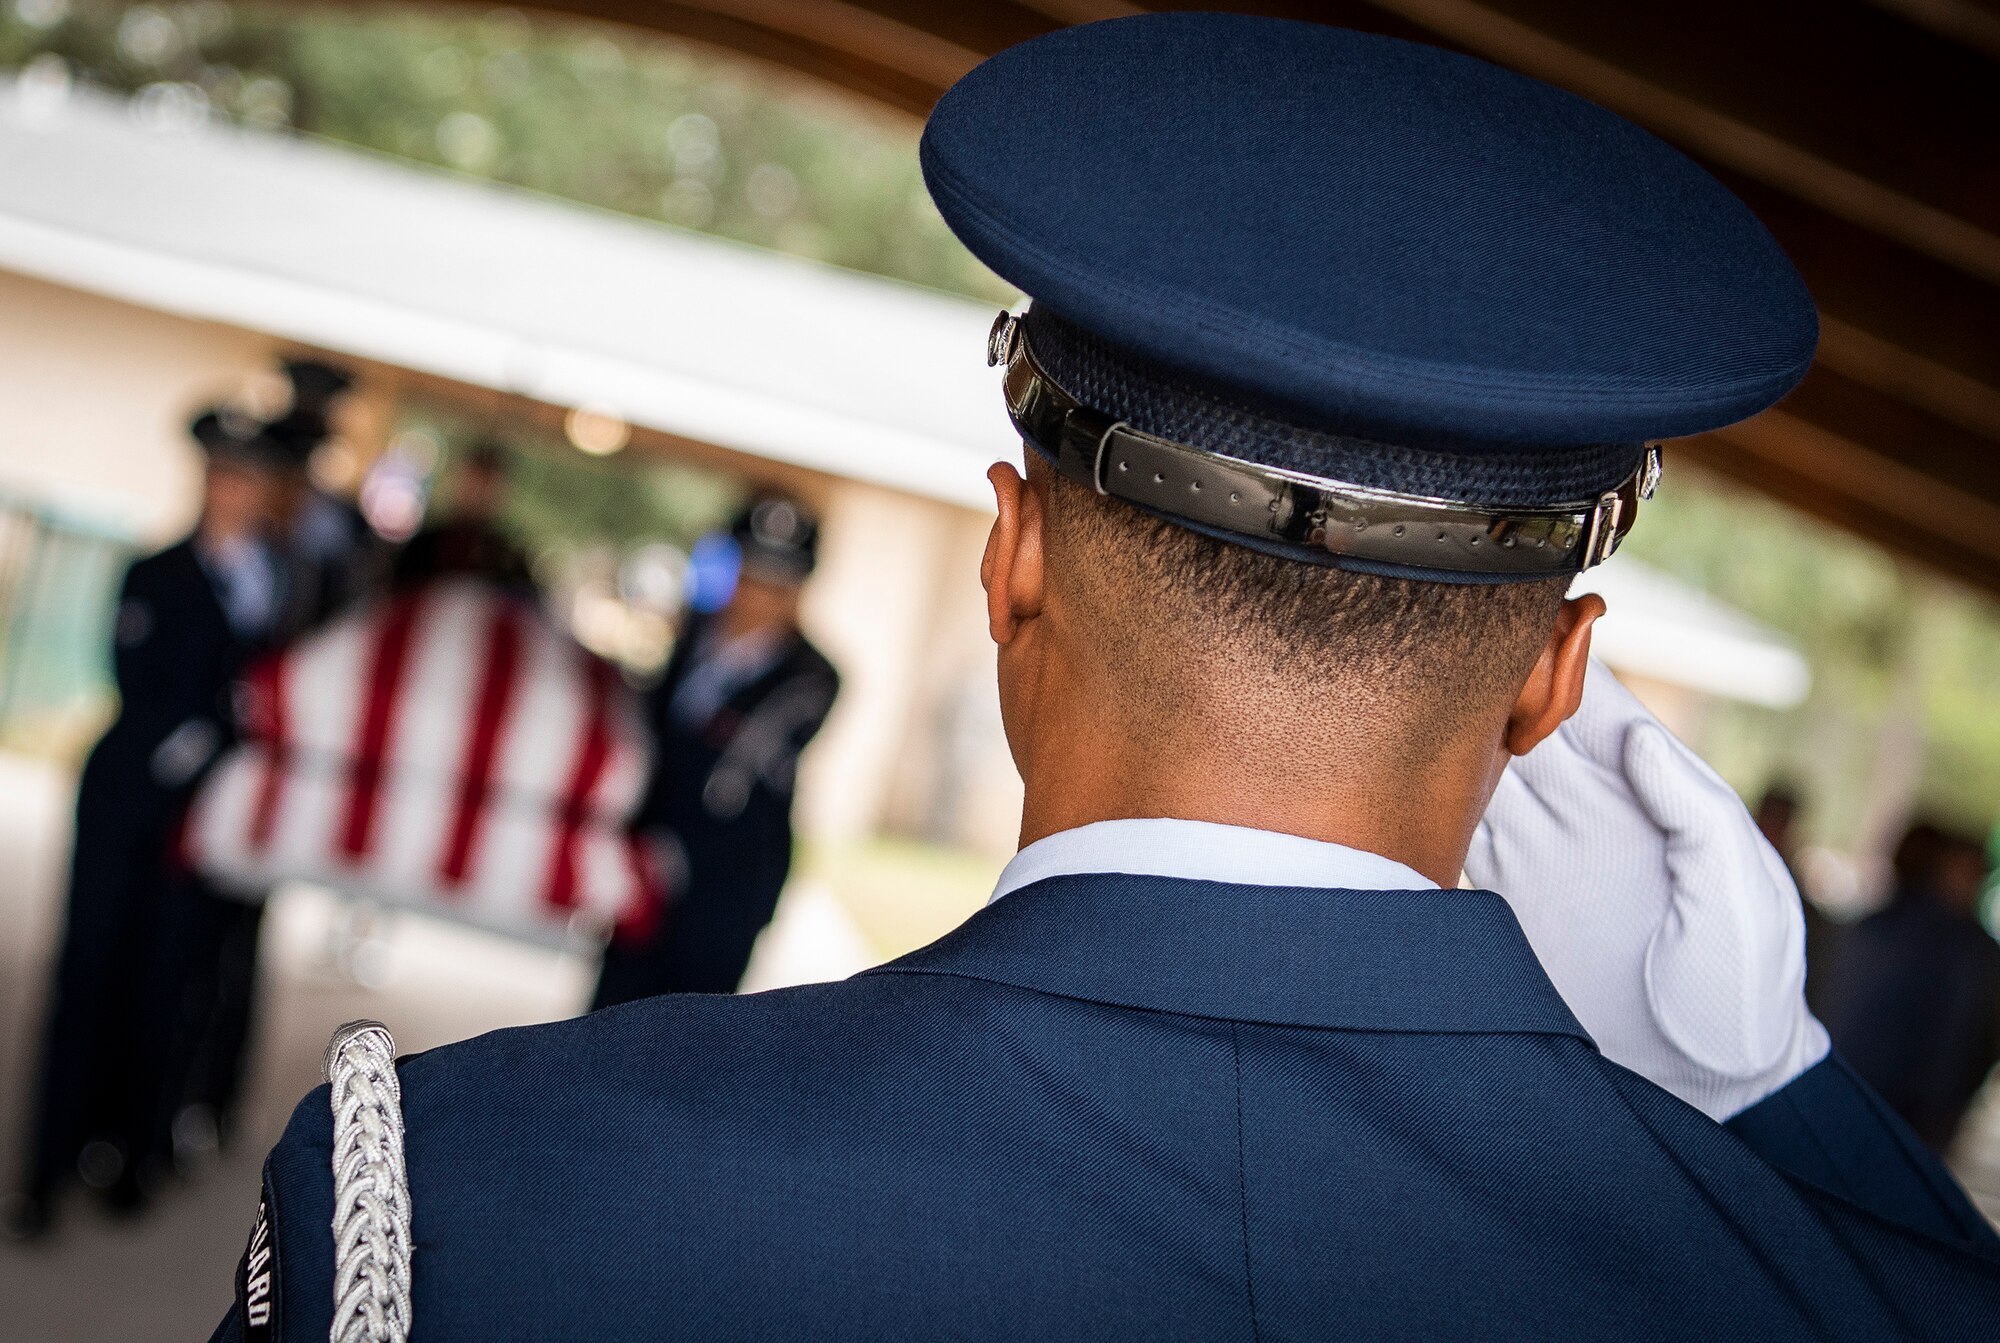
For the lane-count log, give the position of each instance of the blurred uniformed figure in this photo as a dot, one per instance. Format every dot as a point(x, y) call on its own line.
point(1777, 817)
point(327, 560)
point(188, 620)
point(742, 696)
point(1916, 1002)
point(331, 557)
point(1343, 359)
point(468, 540)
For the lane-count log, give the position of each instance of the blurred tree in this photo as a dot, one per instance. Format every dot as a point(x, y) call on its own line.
point(1892, 651)
point(610, 117)
point(561, 501)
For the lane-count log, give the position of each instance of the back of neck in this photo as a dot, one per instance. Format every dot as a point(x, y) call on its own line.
point(1422, 817)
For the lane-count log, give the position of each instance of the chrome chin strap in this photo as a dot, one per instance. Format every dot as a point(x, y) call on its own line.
point(1311, 513)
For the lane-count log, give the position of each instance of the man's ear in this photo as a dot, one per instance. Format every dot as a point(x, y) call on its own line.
point(1555, 686)
point(1011, 570)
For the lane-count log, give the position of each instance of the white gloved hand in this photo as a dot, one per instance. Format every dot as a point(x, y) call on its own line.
point(1664, 918)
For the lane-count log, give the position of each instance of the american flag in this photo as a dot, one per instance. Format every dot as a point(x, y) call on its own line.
point(448, 750)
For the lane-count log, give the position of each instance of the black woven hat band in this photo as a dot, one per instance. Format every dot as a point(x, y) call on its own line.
point(1156, 401)
point(1213, 472)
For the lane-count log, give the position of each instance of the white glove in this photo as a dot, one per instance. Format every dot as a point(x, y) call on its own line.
point(1665, 920)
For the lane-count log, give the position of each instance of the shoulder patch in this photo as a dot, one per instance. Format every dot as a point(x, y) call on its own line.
point(257, 1276)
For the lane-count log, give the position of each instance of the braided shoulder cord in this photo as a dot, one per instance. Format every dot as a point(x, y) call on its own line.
point(371, 1188)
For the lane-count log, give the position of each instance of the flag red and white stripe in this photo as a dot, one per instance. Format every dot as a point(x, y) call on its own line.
point(448, 749)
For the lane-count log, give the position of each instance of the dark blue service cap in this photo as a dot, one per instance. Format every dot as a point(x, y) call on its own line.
point(315, 383)
point(227, 435)
point(298, 434)
point(778, 538)
point(1268, 256)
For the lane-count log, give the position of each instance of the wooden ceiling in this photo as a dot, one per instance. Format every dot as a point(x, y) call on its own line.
point(1866, 134)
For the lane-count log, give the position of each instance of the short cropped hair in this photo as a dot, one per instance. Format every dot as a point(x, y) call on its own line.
point(1186, 604)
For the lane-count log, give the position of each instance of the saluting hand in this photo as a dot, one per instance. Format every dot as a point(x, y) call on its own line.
point(1664, 918)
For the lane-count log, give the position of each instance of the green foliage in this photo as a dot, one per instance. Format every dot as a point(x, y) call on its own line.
point(1883, 639)
point(609, 117)
point(561, 503)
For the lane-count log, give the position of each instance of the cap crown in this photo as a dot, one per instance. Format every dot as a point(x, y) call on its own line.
point(1368, 235)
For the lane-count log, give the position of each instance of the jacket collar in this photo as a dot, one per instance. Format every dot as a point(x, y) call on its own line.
point(1443, 961)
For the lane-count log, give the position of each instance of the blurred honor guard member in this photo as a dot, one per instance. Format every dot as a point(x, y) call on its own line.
point(1344, 357)
point(326, 559)
point(331, 558)
point(468, 541)
point(743, 695)
point(188, 619)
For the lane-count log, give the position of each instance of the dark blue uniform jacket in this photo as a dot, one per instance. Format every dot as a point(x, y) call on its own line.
point(1120, 1108)
point(175, 659)
point(113, 1009)
point(723, 788)
point(712, 777)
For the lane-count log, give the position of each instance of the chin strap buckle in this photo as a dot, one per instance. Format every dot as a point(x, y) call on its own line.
point(1602, 537)
point(1614, 507)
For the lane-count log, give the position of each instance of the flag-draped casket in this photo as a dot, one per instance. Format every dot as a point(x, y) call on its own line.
point(448, 749)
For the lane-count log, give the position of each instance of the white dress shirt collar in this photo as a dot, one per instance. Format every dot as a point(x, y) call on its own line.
point(245, 578)
point(1205, 851)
